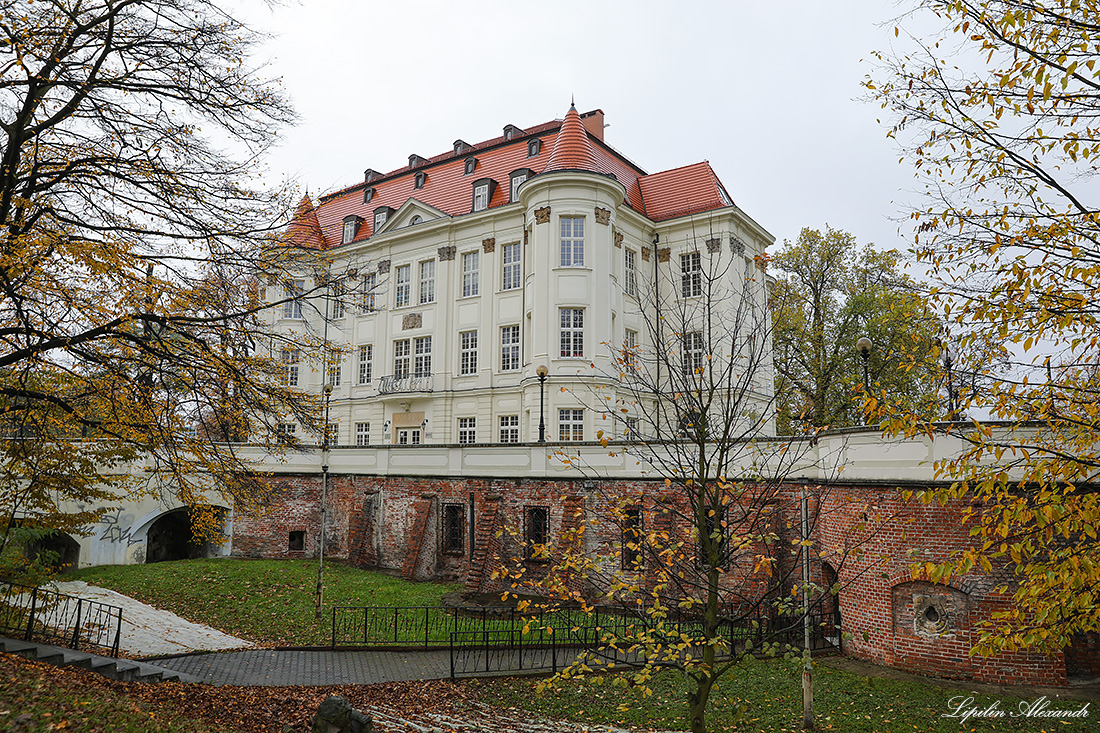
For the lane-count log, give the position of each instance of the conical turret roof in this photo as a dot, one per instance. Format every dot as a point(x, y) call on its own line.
point(305, 228)
point(572, 148)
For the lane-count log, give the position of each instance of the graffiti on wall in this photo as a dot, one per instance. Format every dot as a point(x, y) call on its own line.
point(118, 528)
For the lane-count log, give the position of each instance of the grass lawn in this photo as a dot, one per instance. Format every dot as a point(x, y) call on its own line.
point(767, 696)
point(266, 601)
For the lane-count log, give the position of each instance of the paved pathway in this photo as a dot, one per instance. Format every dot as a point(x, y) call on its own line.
point(148, 631)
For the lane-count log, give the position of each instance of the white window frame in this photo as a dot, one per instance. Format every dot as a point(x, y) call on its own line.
point(366, 363)
point(408, 436)
point(467, 348)
point(691, 275)
point(692, 346)
point(402, 358)
point(570, 424)
point(481, 197)
point(509, 348)
point(362, 433)
point(471, 266)
point(284, 431)
point(422, 356)
point(427, 281)
point(467, 430)
point(380, 220)
point(630, 349)
point(335, 370)
point(572, 241)
point(332, 433)
point(349, 231)
point(293, 308)
point(290, 359)
point(516, 181)
point(509, 428)
point(630, 272)
point(512, 267)
point(402, 286)
point(366, 300)
point(572, 333)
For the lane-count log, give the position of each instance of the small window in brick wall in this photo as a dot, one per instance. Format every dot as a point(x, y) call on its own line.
point(536, 529)
point(453, 539)
point(297, 542)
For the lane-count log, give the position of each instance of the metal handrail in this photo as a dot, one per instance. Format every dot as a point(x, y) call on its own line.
point(36, 613)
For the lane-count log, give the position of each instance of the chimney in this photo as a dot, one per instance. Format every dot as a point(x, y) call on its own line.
point(593, 122)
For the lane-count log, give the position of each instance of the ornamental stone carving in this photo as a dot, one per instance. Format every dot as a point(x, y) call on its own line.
point(412, 320)
point(383, 266)
point(446, 253)
point(618, 237)
point(713, 245)
point(664, 254)
point(603, 216)
point(542, 216)
point(489, 244)
point(736, 245)
point(645, 253)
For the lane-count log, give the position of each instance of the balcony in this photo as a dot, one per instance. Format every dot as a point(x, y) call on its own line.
point(406, 383)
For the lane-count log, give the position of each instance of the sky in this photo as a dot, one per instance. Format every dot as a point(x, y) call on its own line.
point(769, 92)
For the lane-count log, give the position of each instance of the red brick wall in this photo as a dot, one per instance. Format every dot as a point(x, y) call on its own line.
point(870, 537)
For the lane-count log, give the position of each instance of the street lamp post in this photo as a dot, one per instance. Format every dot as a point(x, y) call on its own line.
point(864, 345)
point(324, 498)
point(948, 360)
point(542, 372)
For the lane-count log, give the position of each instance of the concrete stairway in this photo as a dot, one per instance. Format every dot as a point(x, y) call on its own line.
point(116, 669)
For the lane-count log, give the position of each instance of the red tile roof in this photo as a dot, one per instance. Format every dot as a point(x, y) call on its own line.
point(572, 150)
point(305, 229)
point(682, 191)
point(565, 144)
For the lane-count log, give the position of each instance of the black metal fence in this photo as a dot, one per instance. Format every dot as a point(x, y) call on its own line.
point(40, 614)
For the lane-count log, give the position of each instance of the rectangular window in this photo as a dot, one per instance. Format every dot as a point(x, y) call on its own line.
point(427, 281)
point(467, 430)
point(693, 353)
point(336, 302)
point(289, 357)
point(362, 433)
point(509, 428)
point(297, 541)
point(572, 241)
point(691, 275)
point(632, 539)
point(516, 181)
point(366, 363)
point(630, 272)
point(423, 356)
point(401, 358)
point(630, 350)
point(572, 332)
point(284, 432)
point(293, 289)
point(512, 272)
point(366, 293)
point(379, 220)
point(468, 352)
point(630, 428)
point(481, 197)
point(536, 529)
point(469, 274)
point(453, 529)
point(349, 231)
point(409, 436)
point(402, 286)
point(335, 370)
point(509, 348)
point(570, 425)
point(332, 433)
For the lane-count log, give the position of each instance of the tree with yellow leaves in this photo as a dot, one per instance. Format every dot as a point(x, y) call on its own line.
point(998, 114)
point(132, 250)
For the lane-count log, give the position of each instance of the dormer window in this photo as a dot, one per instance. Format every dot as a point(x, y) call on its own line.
point(511, 132)
point(518, 177)
point(471, 165)
point(483, 193)
point(381, 214)
point(533, 148)
point(415, 160)
point(368, 195)
point(370, 174)
point(351, 228)
point(461, 146)
point(420, 179)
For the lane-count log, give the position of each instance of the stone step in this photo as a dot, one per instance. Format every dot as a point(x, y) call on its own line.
point(117, 669)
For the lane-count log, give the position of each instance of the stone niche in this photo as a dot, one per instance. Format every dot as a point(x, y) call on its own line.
point(930, 611)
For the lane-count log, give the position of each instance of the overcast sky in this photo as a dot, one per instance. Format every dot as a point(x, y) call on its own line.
point(768, 92)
